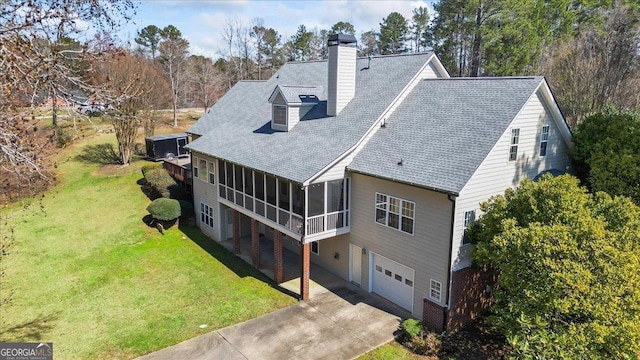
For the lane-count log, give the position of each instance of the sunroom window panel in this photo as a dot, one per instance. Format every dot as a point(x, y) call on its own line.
point(271, 190)
point(298, 200)
point(259, 179)
point(394, 205)
point(381, 216)
point(316, 199)
point(248, 182)
point(335, 196)
point(222, 173)
point(283, 198)
point(239, 184)
point(229, 171)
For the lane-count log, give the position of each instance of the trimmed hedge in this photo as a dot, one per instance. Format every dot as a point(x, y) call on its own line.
point(164, 209)
point(160, 180)
point(146, 168)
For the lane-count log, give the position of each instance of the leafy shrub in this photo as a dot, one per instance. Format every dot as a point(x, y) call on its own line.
point(148, 167)
point(568, 263)
point(411, 328)
point(161, 182)
point(139, 149)
point(418, 340)
point(164, 209)
point(429, 343)
point(63, 138)
point(186, 209)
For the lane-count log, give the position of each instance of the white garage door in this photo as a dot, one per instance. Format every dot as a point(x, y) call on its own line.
point(393, 281)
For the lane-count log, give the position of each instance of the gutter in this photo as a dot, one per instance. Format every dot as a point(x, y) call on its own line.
point(447, 192)
point(449, 277)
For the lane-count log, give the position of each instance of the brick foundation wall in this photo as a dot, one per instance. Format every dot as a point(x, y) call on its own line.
point(277, 256)
point(468, 298)
point(433, 316)
point(468, 295)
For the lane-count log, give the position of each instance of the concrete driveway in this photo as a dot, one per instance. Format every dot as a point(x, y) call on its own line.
point(339, 322)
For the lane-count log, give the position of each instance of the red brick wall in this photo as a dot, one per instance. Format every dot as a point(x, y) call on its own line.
point(468, 298)
point(277, 256)
point(433, 316)
point(468, 295)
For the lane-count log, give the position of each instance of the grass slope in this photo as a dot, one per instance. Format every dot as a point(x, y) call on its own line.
point(87, 274)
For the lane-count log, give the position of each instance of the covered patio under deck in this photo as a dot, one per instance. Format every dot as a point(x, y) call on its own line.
point(267, 253)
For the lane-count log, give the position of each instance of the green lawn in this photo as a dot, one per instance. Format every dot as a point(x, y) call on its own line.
point(88, 275)
point(392, 351)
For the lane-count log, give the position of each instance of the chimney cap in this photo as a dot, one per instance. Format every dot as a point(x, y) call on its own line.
point(337, 39)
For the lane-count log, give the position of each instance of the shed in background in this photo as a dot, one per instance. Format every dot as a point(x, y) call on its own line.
point(167, 146)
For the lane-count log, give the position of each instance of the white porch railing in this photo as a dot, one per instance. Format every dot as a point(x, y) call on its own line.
point(326, 222)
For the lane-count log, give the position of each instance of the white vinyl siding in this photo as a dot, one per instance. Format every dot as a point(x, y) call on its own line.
point(426, 252)
point(204, 192)
point(496, 173)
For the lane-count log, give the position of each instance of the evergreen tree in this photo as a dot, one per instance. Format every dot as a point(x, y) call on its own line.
point(342, 27)
point(149, 37)
point(393, 34)
point(420, 28)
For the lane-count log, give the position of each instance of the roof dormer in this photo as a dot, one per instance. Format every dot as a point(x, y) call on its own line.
point(289, 104)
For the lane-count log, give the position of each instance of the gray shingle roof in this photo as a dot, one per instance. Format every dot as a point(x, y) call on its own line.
point(300, 94)
point(443, 130)
point(237, 128)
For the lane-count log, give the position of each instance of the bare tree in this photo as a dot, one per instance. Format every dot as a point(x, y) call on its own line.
point(135, 87)
point(205, 79)
point(173, 52)
point(27, 68)
point(597, 67)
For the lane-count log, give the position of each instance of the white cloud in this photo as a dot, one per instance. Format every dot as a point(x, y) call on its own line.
point(202, 22)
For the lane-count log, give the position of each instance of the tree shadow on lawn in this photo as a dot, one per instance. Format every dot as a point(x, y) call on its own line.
point(229, 259)
point(33, 330)
point(104, 154)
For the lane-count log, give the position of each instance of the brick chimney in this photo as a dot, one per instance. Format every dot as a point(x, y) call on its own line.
point(341, 85)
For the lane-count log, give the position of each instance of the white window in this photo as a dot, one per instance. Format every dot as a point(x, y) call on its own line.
point(196, 171)
point(435, 290)
point(513, 150)
point(206, 215)
point(279, 114)
point(544, 139)
point(212, 175)
point(395, 212)
point(469, 219)
point(202, 166)
point(315, 247)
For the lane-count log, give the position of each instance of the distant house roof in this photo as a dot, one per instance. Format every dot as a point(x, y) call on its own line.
point(443, 130)
point(237, 128)
point(299, 94)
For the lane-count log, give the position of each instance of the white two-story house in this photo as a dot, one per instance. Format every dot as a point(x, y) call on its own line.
point(384, 160)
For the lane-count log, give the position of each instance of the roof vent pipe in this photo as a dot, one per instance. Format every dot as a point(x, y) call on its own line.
point(341, 84)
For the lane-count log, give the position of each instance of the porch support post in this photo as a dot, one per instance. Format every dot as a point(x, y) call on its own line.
point(236, 232)
point(277, 256)
point(304, 275)
point(255, 244)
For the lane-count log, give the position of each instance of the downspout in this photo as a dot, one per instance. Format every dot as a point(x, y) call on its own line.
point(451, 198)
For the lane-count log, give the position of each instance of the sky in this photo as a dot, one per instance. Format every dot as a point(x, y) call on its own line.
point(201, 22)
